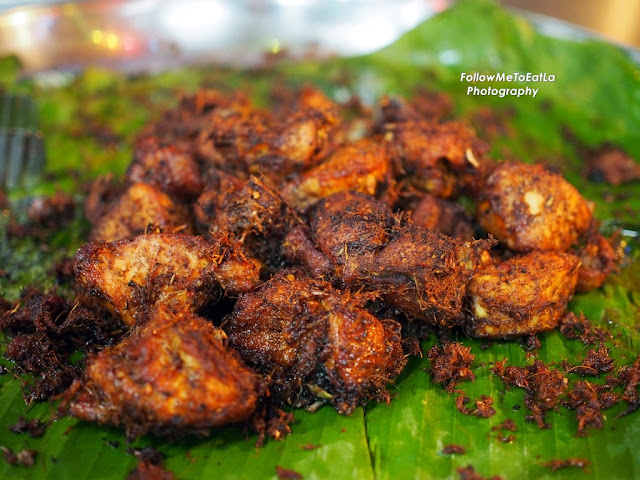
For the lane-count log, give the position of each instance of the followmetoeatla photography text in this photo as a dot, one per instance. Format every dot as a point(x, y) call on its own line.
point(509, 91)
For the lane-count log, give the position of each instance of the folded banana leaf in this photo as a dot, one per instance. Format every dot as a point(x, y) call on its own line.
point(594, 99)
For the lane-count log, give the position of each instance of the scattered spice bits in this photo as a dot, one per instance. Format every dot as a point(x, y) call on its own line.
point(450, 364)
point(309, 446)
point(629, 378)
point(583, 398)
point(46, 331)
point(501, 429)
point(26, 457)
point(532, 343)
point(469, 473)
point(557, 464)
point(543, 387)
point(596, 362)
point(453, 449)
point(286, 474)
point(35, 428)
point(483, 408)
point(575, 327)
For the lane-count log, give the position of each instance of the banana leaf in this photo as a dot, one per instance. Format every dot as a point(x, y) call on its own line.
point(594, 99)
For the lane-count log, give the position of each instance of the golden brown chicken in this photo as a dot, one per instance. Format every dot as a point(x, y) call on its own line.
point(529, 208)
point(138, 209)
point(360, 167)
point(443, 159)
point(521, 296)
point(316, 342)
point(173, 374)
point(132, 276)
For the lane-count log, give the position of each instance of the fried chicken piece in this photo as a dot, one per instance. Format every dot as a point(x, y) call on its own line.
point(443, 159)
point(316, 342)
point(140, 208)
point(424, 274)
point(529, 208)
point(165, 167)
point(421, 272)
point(130, 277)
point(173, 374)
point(521, 296)
point(253, 213)
point(348, 229)
point(447, 217)
point(360, 166)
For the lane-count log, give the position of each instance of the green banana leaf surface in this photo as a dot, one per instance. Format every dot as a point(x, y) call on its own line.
point(595, 98)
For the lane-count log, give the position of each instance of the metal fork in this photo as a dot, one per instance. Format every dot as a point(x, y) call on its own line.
point(22, 154)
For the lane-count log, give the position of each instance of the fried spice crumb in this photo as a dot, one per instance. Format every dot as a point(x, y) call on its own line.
point(543, 387)
point(629, 378)
point(287, 474)
point(596, 361)
point(469, 473)
point(450, 364)
point(557, 464)
point(483, 406)
point(453, 449)
point(150, 465)
point(35, 428)
point(309, 446)
point(25, 457)
point(575, 327)
point(612, 165)
point(507, 426)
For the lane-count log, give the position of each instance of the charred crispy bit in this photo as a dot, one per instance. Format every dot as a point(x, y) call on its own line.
point(150, 465)
point(140, 208)
point(438, 214)
point(131, 276)
point(450, 364)
point(629, 378)
point(612, 165)
point(252, 212)
point(596, 362)
point(173, 374)
point(543, 387)
point(165, 167)
point(360, 167)
point(316, 342)
point(25, 457)
point(443, 159)
point(521, 296)
point(529, 208)
point(34, 427)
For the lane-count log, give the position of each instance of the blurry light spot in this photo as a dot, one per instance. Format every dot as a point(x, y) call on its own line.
point(112, 41)
point(97, 36)
point(18, 19)
point(275, 46)
point(449, 57)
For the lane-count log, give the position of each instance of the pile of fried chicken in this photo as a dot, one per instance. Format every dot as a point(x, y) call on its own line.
point(290, 253)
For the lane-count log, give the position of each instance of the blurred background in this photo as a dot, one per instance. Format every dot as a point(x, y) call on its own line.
point(138, 35)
